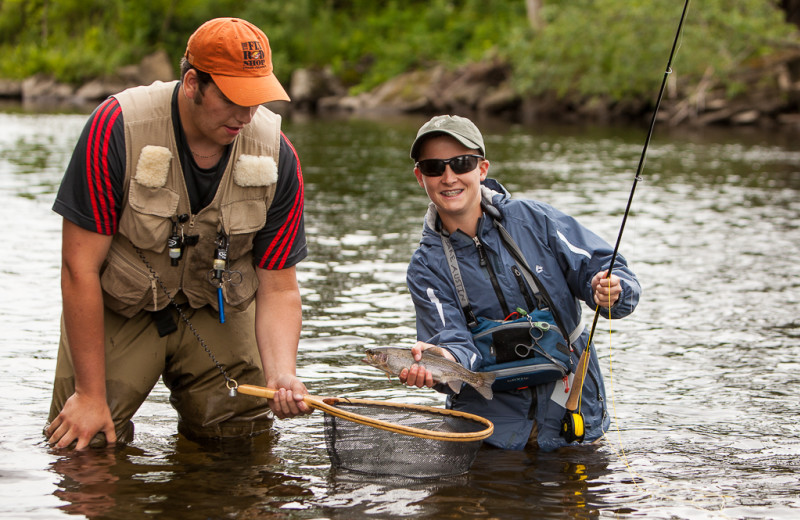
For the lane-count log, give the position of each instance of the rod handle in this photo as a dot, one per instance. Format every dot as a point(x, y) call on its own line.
point(577, 381)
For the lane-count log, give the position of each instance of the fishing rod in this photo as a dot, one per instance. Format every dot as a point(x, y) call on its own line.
point(572, 426)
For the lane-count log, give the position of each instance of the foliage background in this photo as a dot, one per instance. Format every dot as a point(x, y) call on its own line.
point(611, 48)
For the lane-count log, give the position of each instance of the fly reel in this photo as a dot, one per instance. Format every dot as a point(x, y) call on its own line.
point(572, 427)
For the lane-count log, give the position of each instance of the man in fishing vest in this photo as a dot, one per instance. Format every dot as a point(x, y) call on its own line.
point(487, 261)
point(182, 213)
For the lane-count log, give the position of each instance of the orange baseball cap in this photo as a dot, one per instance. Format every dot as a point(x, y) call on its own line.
point(236, 54)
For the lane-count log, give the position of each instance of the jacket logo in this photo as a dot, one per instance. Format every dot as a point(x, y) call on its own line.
point(539, 269)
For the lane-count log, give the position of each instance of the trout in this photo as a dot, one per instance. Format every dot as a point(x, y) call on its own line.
point(393, 360)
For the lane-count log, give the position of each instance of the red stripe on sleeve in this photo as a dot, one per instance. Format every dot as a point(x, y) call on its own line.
point(293, 224)
point(111, 221)
point(89, 176)
point(284, 239)
point(97, 177)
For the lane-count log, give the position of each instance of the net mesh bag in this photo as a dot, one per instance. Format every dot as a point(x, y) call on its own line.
point(448, 444)
point(384, 438)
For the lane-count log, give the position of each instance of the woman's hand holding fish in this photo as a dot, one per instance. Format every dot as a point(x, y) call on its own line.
point(417, 375)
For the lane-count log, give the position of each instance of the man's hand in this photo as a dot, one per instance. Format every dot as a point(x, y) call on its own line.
point(80, 420)
point(288, 399)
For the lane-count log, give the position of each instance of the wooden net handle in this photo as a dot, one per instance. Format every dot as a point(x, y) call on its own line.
point(327, 405)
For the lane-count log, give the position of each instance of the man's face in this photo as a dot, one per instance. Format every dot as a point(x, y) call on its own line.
point(214, 116)
point(456, 196)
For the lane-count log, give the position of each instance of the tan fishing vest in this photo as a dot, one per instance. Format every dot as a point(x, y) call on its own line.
point(155, 195)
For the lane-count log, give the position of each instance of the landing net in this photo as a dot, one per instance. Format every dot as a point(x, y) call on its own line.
point(443, 443)
point(383, 438)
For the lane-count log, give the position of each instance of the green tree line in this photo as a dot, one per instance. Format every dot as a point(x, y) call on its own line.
point(587, 47)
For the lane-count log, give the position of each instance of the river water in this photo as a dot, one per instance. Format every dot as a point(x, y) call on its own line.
point(703, 378)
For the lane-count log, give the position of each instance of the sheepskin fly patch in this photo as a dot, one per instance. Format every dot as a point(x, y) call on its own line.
point(252, 170)
point(153, 166)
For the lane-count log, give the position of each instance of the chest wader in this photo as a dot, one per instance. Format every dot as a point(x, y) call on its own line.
point(523, 352)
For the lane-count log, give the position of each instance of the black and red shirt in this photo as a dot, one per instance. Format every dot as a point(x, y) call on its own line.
point(92, 189)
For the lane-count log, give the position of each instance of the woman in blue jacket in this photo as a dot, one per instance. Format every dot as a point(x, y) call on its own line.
point(482, 279)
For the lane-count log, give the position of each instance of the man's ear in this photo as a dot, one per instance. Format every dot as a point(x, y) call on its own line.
point(191, 84)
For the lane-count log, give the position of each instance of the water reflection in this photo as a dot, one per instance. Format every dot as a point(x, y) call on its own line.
point(703, 377)
point(556, 487)
point(219, 478)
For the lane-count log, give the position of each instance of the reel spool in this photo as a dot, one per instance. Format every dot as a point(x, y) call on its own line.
point(572, 427)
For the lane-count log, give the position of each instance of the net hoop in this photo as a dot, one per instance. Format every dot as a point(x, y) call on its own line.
point(328, 405)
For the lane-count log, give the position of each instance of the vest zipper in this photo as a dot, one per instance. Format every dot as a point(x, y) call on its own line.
point(484, 262)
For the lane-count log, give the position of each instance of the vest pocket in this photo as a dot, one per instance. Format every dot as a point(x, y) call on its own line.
point(240, 295)
point(147, 220)
point(241, 221)
point(127, 285)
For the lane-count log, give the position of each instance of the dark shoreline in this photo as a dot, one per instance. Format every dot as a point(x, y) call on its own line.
point(770, 98)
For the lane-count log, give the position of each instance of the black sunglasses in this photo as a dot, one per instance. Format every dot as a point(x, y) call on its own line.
point(459, 164)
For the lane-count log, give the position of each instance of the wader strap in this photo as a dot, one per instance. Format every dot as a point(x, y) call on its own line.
point(539, 291)
point(576, 333)
point(455, 272)
point(527, 273)
point(526, 269)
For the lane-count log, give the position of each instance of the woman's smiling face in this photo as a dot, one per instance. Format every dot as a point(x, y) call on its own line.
point(456, 196)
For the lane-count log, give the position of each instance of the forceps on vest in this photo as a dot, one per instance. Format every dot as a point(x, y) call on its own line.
point(537, 331)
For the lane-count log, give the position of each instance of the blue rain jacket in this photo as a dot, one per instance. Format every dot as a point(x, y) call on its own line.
point(565, 256)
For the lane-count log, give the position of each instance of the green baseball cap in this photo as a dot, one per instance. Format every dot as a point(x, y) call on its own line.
point(459, 128)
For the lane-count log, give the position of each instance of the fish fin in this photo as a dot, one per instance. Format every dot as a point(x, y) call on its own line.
point(485, 391)
point(436, 350)
point(455, 385)
point(485, 386)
